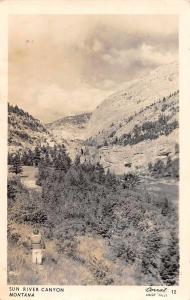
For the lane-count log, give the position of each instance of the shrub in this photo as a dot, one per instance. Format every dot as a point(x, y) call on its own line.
point(16, 164)
point(130, 180)
point(170, 168)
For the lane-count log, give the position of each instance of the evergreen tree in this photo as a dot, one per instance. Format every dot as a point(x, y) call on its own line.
point(11, 191)
point(16, 164)
point(110, 179)
point(10, 159)
point(25, 159)
point(105, 143)
point(47, 160)
point(37, 155)
point(77, 160)
point(30, 157)
point(165, 207)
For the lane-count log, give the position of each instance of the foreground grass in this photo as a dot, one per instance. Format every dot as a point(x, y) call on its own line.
point(88, 263)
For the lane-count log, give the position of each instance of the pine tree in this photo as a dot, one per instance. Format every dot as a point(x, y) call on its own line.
point(77, 160)
point(16, 164)
point(110, 179)
point(165, 207)
point(37, 156)
point(11, 191)
point(25, 159)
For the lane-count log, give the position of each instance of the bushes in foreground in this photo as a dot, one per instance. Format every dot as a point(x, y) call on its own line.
point(86, 199)
point(24, 206)
point(82, 198)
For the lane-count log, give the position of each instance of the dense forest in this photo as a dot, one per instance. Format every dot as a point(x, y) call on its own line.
point(79, 199)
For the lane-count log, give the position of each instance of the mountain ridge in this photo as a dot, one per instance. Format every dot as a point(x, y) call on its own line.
point(80, 118)
point(132, 127)
point(25, 131)
point(70, 130)
point(136, 94)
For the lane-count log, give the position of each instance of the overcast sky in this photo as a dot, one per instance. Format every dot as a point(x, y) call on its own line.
point(63, 65)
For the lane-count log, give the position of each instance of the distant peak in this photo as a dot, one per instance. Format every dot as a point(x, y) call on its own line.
point(81, 118)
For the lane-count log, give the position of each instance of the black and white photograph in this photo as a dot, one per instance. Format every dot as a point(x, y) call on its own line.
point(93, 150)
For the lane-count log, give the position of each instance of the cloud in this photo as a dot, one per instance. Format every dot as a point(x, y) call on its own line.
point(97, 46)
point(63, 102)
point(51, 102)
point(148, 54)
point(62, 64)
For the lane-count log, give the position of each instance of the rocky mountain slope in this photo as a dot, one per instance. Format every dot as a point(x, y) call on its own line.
point(24, 131)
point(138, 124)
point(71, 127)
point(71, 131)
point(135, 95)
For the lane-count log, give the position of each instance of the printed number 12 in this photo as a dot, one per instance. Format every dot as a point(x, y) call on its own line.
point(173, 291)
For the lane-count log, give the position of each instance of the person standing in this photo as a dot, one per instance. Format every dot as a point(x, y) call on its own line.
point(37, 246)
